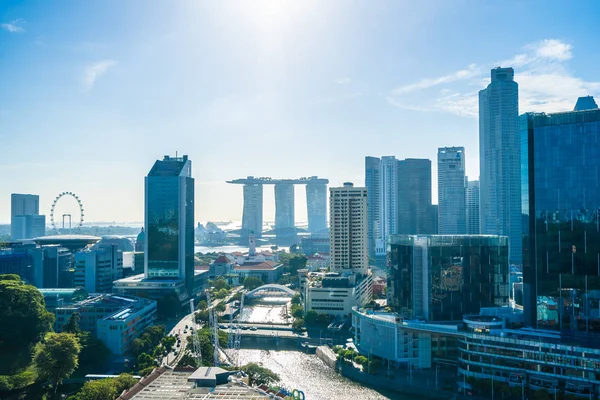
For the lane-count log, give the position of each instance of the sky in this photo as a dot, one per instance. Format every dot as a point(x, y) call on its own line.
point(93, 92)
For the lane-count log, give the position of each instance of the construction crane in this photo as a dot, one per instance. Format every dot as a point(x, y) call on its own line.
point(195, 338)
point(238, 333)
point(214, 328)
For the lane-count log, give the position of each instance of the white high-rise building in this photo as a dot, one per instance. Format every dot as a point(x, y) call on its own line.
point(472, 207)
point(388, 200)
point(373, 182)
point(500, 157)
point(451, 191)
point(26, 221)
point(348, 229)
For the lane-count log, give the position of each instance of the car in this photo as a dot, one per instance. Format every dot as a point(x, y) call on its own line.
point(244, 328)
point(186, 327)
point(185, 332)
point(178, 344)
point(254, 328)
point(223, 326)
point(176, 352)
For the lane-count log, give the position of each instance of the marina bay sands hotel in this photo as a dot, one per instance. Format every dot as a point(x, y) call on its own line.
point(252, 217)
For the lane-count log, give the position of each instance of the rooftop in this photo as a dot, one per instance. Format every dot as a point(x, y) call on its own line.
point(164, 383)
point(260, 265)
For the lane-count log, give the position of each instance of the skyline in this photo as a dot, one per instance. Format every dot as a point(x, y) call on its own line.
point(87, 102)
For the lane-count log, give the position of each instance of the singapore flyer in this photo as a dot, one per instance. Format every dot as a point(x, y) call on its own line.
point(73, 215)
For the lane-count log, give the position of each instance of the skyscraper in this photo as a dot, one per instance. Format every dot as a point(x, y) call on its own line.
point(169, 245)
point(26, 221)
point(451, 191)
point(316, 204)
point(499, 152)
point(252, 217)
point(389, 199)
point(348, 229)
point(561, 207)
point(415, 214)
point(472, 213)
point(373, 185)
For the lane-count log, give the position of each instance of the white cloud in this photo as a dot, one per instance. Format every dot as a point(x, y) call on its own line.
point(342, 81)
point(14, 26)
point(545, 83)
point(93, 72)
point(469, 72)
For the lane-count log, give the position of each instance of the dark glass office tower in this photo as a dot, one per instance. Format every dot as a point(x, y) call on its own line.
point(443, 277)
point(560, 168)
point(169, 229)
point(415, 213)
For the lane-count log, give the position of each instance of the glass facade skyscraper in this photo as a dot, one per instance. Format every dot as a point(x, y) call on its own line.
point(451, 191)
point(499, 160)
point(443, 277)
point(472, 204)
point(169, 222)
point(415, 212)
point(561, 209)
point(373, 185)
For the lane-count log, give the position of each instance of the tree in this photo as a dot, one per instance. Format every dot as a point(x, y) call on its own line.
point(296, 299)
point(362, 360)
point(72, 324)
point(23, 322)
point(202, 305)
point(251, 283)
point(97, 390)
point(297, 324)
point(124, 382)
point(144, 361)
point(220, 307)
point(258, 375)
point(219, 283)
point(297, 262)
point(297, 311)
point(57, 357)
point(94, 354)
point(311, 317)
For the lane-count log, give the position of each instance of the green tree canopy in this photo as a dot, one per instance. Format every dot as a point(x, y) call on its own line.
point(72, 324)
point(297, 311)
point(296, 299)
point(124, 382)
point(251, 283)
point(258, 375)
point(297, 324)
point(311, 317)
point(219, 283)
point(23, 322)
point(94, 354)
point(57, 356)
point(96, 390)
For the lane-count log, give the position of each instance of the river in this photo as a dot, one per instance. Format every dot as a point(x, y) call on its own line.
point(306, 372)
point(299, 370)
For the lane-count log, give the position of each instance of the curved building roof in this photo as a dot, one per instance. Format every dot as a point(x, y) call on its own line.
point(71, 242)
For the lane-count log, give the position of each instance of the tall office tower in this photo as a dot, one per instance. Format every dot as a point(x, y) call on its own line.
point(389, 198)
point(499, 159)
point(348, 229)
point(285, 227)
point(415, 213)
point(316, 204)
point(98, 267)
point(442, 278)
point(373, 184)
point(252, 217)
point(472, 200)
point(451, 191)
point(561, 207)
point(169, 245)
point(25, 222)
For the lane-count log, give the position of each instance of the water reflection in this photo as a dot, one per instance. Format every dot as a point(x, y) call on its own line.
point(266, 313)
point(308, 373)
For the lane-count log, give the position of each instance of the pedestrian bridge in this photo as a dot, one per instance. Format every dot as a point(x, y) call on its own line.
point(269, 290)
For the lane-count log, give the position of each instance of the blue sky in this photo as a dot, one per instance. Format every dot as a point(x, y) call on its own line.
point(91, 93)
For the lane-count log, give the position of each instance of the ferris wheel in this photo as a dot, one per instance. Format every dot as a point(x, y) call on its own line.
point(79, 223)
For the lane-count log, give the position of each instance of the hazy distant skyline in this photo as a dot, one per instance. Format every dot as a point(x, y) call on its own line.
point(92, 93)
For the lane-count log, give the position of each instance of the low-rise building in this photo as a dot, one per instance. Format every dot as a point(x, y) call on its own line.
point(156, 289)
point(207, 383)
point(334, 293)
point(267, 271)
point(115, 320)
point(483, 348)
